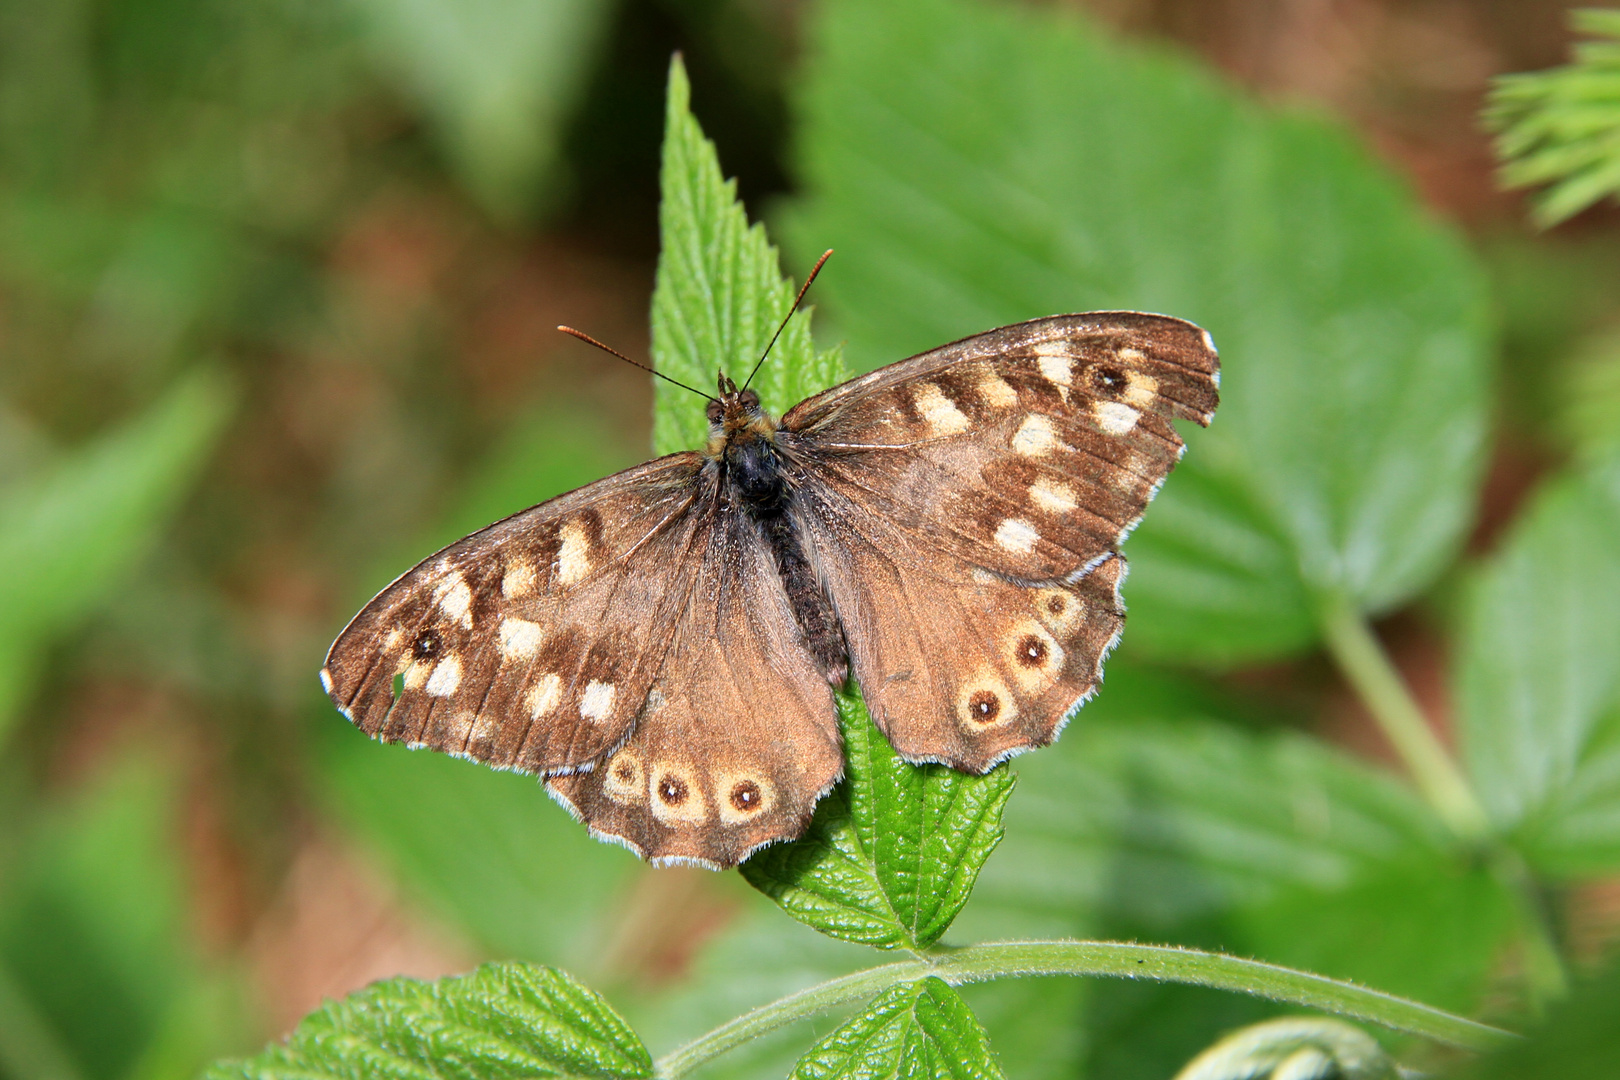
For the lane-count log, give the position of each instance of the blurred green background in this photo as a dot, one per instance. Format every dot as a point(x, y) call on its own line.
point(278, 282)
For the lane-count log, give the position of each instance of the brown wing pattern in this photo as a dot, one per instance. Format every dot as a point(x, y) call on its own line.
point(530, 645)
point(739, 738)
point(965, 509)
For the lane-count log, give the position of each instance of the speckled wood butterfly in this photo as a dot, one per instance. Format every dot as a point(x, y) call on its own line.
point(662, 646)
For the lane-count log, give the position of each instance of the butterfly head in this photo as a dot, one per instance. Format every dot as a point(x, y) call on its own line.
point(737, 413)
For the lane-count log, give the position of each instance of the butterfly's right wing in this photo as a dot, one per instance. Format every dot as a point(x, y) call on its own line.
point(531, 644)
point(965, 509)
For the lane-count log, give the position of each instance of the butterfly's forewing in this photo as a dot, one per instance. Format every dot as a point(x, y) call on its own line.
point(532, 643)
point(966, 506)
point(739, 737)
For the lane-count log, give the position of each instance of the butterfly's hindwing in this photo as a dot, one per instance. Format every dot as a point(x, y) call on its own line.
point(739, 737)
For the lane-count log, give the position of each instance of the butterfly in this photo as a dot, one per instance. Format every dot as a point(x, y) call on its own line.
point(663, 646)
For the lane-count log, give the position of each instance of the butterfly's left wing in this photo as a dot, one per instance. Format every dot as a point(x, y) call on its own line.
point(965, 509)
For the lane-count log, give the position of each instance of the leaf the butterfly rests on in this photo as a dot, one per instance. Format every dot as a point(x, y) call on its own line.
point(663, 645)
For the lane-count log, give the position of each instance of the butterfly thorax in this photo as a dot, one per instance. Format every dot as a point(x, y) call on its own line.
point(743, 446)
point(742, 439)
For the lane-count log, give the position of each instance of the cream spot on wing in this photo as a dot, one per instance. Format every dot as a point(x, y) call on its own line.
point(597, 701)
point(624, 779)
point(1130, 355)
point(1053, 496)
point(1114, 417)
point(1059, 370)
point(980, 576)
point(1034, 437)
point(938, 411)
point(984, 701)
point(995, 391)
point(742, 796)
point(518, 580)
point(1060, 610)
point(574, 557)
point(544, 695)
point(446, 676)
point(1033, 656)
point(1054, 347)
point(520, 638)
point(1141, 389)
point(1017, 535)
point(416, 673)
point(677, 797)
point(395, 636)
point(455, 600)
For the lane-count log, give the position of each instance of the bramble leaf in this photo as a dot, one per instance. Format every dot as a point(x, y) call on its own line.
point(921, 1031)
point(979, 164)
point(1538, 684)
point(719, 293)
point(502, 1020)
point(893, 852)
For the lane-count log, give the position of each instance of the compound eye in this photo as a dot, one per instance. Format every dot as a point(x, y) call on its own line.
point(750, 399)
point(716, 412)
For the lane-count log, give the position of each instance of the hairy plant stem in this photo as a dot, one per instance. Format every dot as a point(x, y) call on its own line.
point(979, 963)
point(1357, 651)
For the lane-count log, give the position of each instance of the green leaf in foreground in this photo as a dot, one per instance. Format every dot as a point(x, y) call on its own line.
point(920, 1030)
point(976, 164)
point(1562, 127)
point(1538, 685)
point(503, 1020)
point(69, 531)
point(893, 852)
point(719, 293)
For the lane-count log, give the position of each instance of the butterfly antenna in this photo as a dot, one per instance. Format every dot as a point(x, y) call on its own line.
point(814, 270)
point(587, 339)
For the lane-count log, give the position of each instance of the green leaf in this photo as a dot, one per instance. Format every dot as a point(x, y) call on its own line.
point(1293, 1048)
point(719, 293)
point(1538, 684)
point(915, 1030)
point(502, 1020)
point(1150, 820)
point(1164, 821)
point(68, 532)
point(975, 165)
point(498, 78)
point(893, 852)
point(1562, 127)
point(93, 919)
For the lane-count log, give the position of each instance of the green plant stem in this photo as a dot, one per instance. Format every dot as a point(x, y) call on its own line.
point(1362, 659)
point(979, 963)
point(1365, 663)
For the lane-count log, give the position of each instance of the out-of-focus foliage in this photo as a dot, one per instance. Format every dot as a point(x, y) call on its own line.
point(1349, 441)
point(1562, 127)
point(364, 219)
